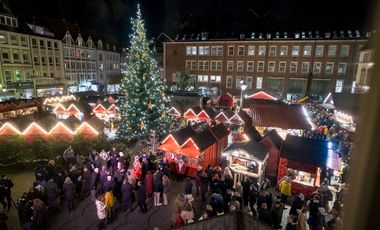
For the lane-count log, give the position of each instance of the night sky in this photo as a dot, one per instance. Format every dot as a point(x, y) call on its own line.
point(193, 16)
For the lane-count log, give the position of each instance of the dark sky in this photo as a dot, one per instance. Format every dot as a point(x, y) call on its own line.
point(176, 16)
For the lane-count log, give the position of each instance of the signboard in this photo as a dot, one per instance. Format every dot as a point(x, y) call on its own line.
point(20, 85)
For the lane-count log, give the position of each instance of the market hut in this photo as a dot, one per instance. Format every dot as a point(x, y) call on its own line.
point(90, 128)
point(247, 158)
point(192, 113)
point(207, 114)
point(304, 159)
point(272, 142)
point(7, 129)
point(262, 96)
point(220, 132)
point(226, 101)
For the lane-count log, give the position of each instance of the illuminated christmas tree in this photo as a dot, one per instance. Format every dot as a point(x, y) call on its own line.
point(143, 105)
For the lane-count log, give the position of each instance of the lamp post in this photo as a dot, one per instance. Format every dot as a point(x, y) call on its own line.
point(243, 87)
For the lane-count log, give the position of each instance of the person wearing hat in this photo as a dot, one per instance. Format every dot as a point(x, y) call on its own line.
point(181, 168)
point(215, 184)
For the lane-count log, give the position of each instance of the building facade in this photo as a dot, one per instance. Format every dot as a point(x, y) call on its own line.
point(108, 66)
point(364, 69)
point(278, 64)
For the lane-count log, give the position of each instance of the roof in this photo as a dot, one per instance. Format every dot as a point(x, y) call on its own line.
point(246, 118)
point(262, 96)
point(280, 116)
point(306, 150)
point(183, 134)
point(347, 102)
point(220, 131)
point(275, 138)
point(210, 112)
point(229, 113)
point(72, 122)
point(18, 104)
point(250, 147)
point(204, 139)
point(253, 134)
point(22, 123)
point(96, 123)
point(48, 122)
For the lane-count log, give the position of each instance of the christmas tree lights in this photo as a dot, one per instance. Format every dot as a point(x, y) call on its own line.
point(143, 105)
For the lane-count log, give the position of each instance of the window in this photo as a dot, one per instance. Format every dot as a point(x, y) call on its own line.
point(282, 67)
point(272, 51)
point(216, 65)
point(56, 61)
point(229, 82)
point(36, 60)
point(203, 65)
point(271, 66)
point(49, 45)
point(56, 45)
point(329, 68)
point(307, 51)
point(250, 66)
point(295, 50)
point(284, 51)
point(25, 58)
point(259, 82)
point(230, 66)
point(8, 76)
point(191, 50)
point(305, 67)
point(5, 56)
point(239, 79)
point(363, 74)
point(51, 61)
point(339, 86)
point(13, 39)
point(216, 50)
point(51, 75)
point(251, 50)
point(202, 78)
point(248, 82)
point(319, 51)
point(331, 51)
point(16, 57)
point(260, 66)
point(344, 50)
point(261, 50)
point(27, 75)
point(42, 43)
point(240, 66)
point(43, 60)
point(203, 50)
point(317, 68)
point(230, 51)
point(342, 68)
point(23, 40)
point(240, 50)
point(215, 78)
point(293, 67)
point(14, 22)
point(191, 64)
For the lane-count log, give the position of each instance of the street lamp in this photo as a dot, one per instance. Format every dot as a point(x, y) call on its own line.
point(243, 87)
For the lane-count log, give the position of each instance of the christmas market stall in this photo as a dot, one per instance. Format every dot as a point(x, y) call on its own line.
point(247, 158)
point(262, 96)
point(192, 113)
point(18, 108)
point(284, 118)
point(220, 133)
point(226, 101)
point(51, 101)
point(105, 111)
point(272, 142)
point(304, 160)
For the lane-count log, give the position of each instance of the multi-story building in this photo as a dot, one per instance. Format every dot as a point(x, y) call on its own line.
point(277, 63)
point(364, 68)
point(15, 64)
point(108, 66)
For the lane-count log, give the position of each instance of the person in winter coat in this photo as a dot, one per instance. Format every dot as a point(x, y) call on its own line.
point(197, 179)
point(264, 214)
point(315, 221)
point(204, 186)
point(126, 195)
point(252, 198)
point(149, 183)
point(157, 188)
point(276, 214)
point(101, 211)
point(297, 205)
point(39, 214)
point(177, 207)
point(109, 200)
point(7, 184)
point(188, 186)
point(301, 220)
point(166, 188)
point(69, 191)
point(94, 183)
point(109, 184)
point(142, 197)
point(210, 172)
point(86, 182)
point(246, 183)
point(52, 193)
point(215, 184)
point(285, 188)
point(24, 212)
point(181, 169)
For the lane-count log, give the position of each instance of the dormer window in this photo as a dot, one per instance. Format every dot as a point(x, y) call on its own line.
point(108, 47)
point(100, 44)
point(9, 21)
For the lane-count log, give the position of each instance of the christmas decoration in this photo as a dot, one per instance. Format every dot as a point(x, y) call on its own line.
point(143, 101)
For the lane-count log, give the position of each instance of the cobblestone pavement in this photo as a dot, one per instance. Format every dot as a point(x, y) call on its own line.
point(84, 216)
